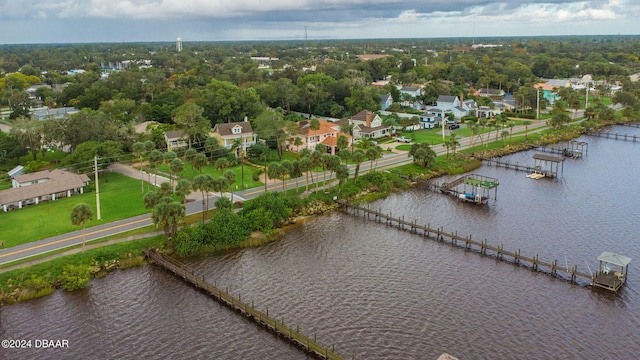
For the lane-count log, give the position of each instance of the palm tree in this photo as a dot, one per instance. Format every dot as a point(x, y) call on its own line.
point(295, 172)
point(287, 169)
point(274, 171)
point(168, 214)
point(454, 143)
point(306, 165)
point(190, 156)
point(183, 188)
point(358, 157)
point(211, 144)
point(342, 173)
point(297, 142)
point(203, 183)
point(175, 167)
point(199, 161)
point(230, 176)
point(80, 214)
point(371, 154)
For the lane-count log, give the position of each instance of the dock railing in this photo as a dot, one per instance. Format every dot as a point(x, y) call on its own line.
point(278, 327)
point(482, 247)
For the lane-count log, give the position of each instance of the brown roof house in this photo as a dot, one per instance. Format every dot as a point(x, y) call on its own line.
point(42, 186)
point(368, 125)
point(228, 133)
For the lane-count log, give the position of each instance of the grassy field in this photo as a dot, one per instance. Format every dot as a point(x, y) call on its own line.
point(249, 170)
point(120, 198)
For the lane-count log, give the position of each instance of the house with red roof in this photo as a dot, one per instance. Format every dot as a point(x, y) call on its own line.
point(326, 134)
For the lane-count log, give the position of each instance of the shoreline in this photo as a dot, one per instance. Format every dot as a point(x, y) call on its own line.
point(255, 239)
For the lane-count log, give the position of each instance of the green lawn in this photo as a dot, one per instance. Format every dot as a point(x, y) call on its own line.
point(120, 198)
point(249, 170)
point(273, 157)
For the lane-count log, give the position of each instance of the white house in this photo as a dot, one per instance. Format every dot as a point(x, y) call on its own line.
point(367, 124)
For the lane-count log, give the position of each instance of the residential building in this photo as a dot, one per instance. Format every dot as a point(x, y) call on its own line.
point(54, 114)
point(42, 186)
point(548, 92)
point(230, 134)
point(367, 124)
point(367, 57)
point(451, 104)
point(175, 139)
point(326, 134)
point(385, 101)
point(490, 93)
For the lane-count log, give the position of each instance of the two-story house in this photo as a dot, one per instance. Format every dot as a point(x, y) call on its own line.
point(327, 134)
point(240, 133)
point(367, 125)
point(175, 139)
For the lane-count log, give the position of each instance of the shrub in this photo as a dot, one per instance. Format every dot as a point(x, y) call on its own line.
point(226, 228)
point(224, 203)
point(75, 277)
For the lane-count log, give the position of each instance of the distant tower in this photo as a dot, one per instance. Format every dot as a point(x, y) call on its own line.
point(179, 44)
point(305, 39)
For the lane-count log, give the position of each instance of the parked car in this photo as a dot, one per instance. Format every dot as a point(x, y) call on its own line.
point(404, 139)
point(454, 126)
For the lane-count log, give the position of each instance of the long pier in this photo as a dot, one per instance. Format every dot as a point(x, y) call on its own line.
point(615, 136)
point(278, 327)
point(482, 247)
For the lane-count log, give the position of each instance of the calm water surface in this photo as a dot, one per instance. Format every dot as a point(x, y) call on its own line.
point(379, 293)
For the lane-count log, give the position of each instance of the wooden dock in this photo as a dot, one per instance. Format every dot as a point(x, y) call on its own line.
point(570, 274)
point(476, 182)
point(615, 136)
point(538, 169)
point(311, 346)
point(574, 149)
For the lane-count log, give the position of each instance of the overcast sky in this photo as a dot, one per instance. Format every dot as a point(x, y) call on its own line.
point(72, 21)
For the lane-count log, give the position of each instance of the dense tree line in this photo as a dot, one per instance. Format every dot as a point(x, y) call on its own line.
point(211, 83)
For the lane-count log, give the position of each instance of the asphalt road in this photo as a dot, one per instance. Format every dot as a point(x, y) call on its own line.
point(9, 255)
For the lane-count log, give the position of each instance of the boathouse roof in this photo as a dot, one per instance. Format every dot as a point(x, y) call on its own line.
point(550, 158)
point(614, 259)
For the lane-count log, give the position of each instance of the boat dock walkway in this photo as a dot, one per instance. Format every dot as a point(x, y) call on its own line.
point(570, 274)
point(311, 346)
point(475, 187)
point(538, 168)
point(615, 136)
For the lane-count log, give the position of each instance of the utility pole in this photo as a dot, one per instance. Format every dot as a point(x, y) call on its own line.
point(95, 171)
point(538, 104)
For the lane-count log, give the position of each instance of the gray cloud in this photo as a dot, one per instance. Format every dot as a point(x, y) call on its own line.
point(142, 20)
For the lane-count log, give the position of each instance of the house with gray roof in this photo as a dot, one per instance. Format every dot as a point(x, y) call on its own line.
point(175, 139)
point(385, 101)
point(42, 186)
point(229, 133)
point(54, 114)
point(367, 124)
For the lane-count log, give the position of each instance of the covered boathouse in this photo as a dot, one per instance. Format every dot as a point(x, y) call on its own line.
point(608, 278)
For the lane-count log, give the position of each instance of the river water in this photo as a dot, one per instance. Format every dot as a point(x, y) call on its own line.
point(379, 293)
